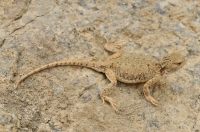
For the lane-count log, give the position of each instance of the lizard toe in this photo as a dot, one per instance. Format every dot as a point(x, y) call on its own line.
point(155, 103)
point(152, 100)
point(103, 100)
point(111, 101)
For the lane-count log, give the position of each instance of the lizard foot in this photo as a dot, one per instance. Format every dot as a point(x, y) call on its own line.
point(115, 47)
point(111, 101)
point(118, 45)
point(152, 100)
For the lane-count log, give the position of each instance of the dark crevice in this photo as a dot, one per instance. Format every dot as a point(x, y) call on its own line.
point(22, 26)
point(29, 22)
point(20, 16)
point(1, 44)
point(15, 19)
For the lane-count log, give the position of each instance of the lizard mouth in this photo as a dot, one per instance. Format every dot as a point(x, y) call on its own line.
point(174, 69)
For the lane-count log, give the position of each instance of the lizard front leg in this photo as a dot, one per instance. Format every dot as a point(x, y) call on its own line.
point(111, 76)
point(146, 89)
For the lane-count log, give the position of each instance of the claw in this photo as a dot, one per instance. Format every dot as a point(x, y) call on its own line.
point(120, 41)
point(111, 101)
point(118, 44)
point(102, 100)
point(152, 100)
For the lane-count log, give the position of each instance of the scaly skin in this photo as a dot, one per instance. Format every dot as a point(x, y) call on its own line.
point(125, 68)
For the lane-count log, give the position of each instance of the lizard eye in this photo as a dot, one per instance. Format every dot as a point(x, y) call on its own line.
point(179, 63)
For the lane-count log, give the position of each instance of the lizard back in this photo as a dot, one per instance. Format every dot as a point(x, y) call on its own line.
point(133, 68)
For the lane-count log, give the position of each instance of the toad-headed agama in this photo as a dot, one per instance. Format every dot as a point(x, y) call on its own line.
point(126, 68)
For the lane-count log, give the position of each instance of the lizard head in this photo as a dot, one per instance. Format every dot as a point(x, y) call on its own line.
point(172, 62)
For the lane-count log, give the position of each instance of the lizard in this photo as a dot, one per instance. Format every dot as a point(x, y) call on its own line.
point(126, 68)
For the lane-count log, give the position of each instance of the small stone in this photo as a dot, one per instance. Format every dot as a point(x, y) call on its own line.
point(193, 49)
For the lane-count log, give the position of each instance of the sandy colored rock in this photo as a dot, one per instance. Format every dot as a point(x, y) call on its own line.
point(66, 99)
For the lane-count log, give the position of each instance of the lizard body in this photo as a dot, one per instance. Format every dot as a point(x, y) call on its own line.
point(126, 68)
point(140, 72)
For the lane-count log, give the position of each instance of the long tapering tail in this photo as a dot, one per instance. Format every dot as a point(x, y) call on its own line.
point(92, 65)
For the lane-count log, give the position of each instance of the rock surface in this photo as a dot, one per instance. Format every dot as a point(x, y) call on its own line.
point(66, 99)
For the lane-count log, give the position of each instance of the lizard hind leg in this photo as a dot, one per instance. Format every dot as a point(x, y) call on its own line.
point(111, 76)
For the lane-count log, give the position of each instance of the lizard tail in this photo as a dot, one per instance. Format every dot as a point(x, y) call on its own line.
point(92, 65)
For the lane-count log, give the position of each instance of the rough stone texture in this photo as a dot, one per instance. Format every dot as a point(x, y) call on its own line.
point(66, 99)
